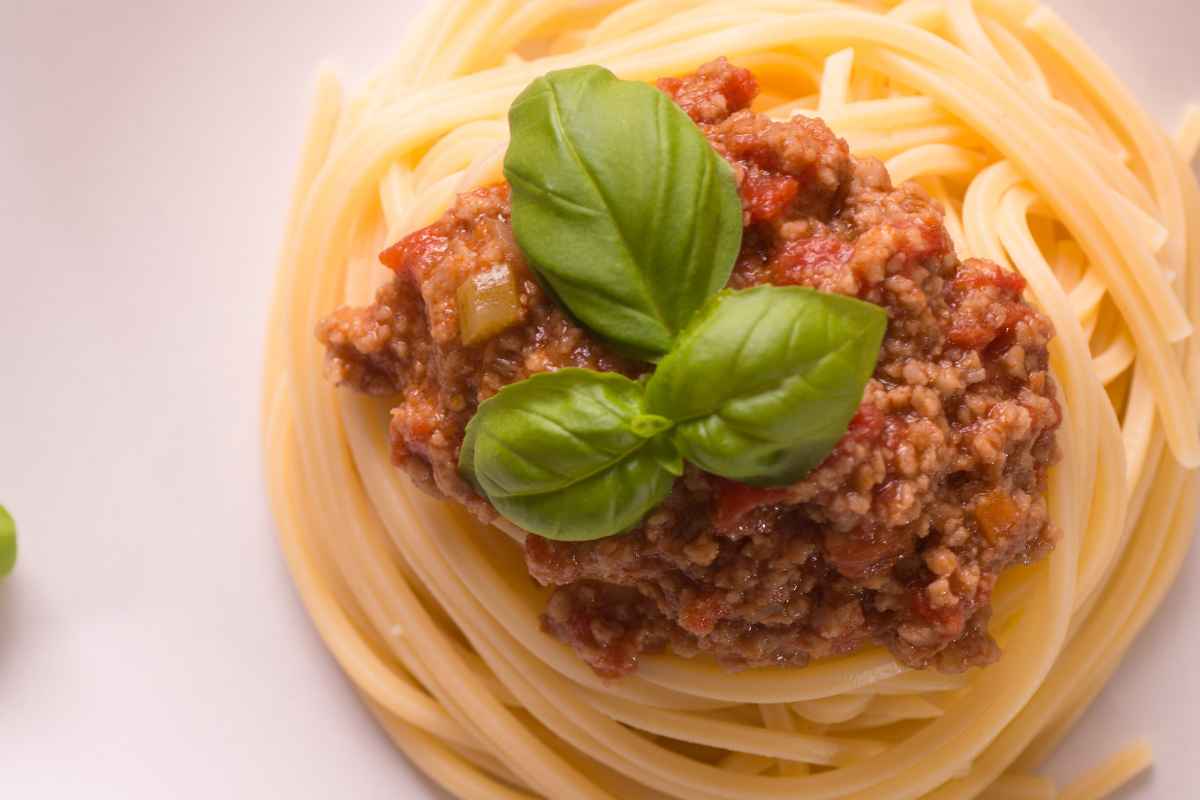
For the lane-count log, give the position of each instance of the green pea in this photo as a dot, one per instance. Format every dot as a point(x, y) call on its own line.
point(8, 542)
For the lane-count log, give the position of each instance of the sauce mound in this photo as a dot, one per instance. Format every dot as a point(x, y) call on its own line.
point(898, 538)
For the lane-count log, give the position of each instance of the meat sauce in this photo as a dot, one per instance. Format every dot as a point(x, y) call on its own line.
point(898, 538)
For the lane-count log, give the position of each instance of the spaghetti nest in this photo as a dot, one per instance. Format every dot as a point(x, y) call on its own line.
point(1042, 162)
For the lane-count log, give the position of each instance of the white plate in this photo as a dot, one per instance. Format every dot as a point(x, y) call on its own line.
point(151, 644)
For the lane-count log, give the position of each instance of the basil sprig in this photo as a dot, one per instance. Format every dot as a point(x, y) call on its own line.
point(621, 205)
point(759, 389)
point(634, 222)
point(764, 382)
point(570, 455)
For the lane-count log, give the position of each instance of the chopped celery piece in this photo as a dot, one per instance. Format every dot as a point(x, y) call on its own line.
point(488, 303)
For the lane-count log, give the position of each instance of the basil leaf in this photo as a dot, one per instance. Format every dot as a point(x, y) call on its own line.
point(570, 455)
point(8, 542)
point(620, 204)
point(763, 383)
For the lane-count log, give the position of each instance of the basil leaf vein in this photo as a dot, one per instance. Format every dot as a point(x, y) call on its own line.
point(764, 382)
point(560, 454)
point(621, 205)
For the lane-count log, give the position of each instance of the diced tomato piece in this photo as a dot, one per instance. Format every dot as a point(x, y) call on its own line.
point(736, 500)
point(811, 262)
point(975, 274)
point(767, 194)
point(406, 254)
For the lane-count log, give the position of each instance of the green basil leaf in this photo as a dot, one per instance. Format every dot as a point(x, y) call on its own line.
point(8, 542)
point(620, 204)
point(764, 382)
point(570, 455)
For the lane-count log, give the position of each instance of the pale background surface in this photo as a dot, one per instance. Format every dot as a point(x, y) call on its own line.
point(151, 644)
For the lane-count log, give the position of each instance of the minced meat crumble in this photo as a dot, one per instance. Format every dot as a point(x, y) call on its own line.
point(898, 538)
